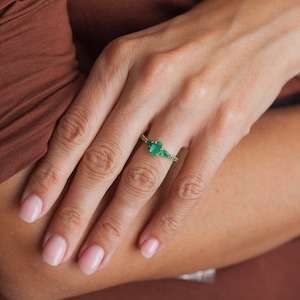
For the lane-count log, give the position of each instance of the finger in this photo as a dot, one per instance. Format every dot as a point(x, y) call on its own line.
point(205, 156)
point(74, 133)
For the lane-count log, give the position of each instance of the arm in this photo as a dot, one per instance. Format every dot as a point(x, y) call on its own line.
point(251, 206)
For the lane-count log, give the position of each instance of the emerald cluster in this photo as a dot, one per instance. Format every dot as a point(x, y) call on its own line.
point(157, 148)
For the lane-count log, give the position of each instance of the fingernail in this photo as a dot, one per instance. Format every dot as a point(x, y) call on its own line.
point(31, 208)
point(149, 247)
point(90, 260)
point(54, 250)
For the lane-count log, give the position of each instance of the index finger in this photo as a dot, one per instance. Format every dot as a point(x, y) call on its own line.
point(74, 133)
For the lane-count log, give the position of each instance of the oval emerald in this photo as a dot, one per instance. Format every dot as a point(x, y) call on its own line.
point(156, 148)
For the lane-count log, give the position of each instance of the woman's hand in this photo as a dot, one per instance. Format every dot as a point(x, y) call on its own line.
point(198, 81)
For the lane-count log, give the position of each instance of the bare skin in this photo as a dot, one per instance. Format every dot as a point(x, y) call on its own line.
point(250, 206)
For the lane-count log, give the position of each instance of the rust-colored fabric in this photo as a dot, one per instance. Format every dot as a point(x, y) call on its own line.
point(38, 78)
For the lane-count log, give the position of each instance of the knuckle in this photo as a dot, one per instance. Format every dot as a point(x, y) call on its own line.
point(141, 179)
point(73, 216)
point(116, 50)
point(111, 229)
point(169, 224)
point(46, 175)
point(231, 117)
point(73, 129)
point(116, 60)
point(100, 162)
point(193, 91)
point(200, 87)
point(232, 121)
point(189, 188)
point(159, 66)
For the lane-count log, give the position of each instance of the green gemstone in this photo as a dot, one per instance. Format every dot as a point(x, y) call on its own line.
point(165, 153)
point(156, 148)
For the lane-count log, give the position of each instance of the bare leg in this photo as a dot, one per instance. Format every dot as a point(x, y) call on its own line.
point(251, 206)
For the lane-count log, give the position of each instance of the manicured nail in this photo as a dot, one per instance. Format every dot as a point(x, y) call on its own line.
point(90, 260)
point(31, 208)
point(54, 250)
point(149, 247)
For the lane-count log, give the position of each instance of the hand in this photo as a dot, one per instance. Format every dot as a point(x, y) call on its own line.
point(198, 81)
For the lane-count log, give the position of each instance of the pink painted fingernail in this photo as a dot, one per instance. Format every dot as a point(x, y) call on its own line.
point(54, 250)
point(31, 208)
point(149, 247)
point(91, 259)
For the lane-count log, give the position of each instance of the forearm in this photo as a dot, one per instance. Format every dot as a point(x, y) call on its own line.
point(251, 206)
